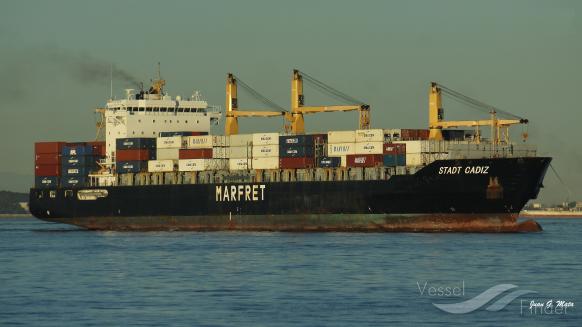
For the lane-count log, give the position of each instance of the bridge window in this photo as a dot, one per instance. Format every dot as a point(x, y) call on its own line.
point(141, 109)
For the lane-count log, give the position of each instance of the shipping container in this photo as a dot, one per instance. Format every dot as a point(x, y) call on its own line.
point(220, 140)
point(77, 170)
point(453, 134)
point(169, 142)
point(392, 134)
point(265, 139)
point(423, 134)
point(413, 146)
point(340, 149)
point(266, 163)
point(47, 170)
point(262, 151)
point(135, 155)
point(341, 137)
point(237, 152)
point(158, 166)
point(77, 150)
point(165, 154)
point(241, 140)
point(392, 160)
point(414, 134)
point(394, 148)
point(46, 181)
point(220, 152)
point(48, 147)
point(295, 140)
point(370, 148)
point(98, 148)
point(192, 164)
point(73, 181)
point(47, 159)
point(135, 143)
point(195, 153)
point(365, 160)
point(126, 167)
point(294, 163)
point(329, 162)
point(319, 139)
point(295, 151)
point(370, 135)
point(75, 161)
point(239, 164)
point(197, 142)
point(414, 159)
point(217, 164)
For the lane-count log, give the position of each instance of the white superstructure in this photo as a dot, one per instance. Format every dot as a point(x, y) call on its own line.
point(146, 114)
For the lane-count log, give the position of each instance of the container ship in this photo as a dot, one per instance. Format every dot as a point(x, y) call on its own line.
point(157, 166)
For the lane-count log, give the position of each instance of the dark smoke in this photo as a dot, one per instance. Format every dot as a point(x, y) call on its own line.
point(89, 70)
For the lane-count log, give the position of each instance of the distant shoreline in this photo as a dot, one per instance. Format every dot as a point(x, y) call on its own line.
point(15, 215)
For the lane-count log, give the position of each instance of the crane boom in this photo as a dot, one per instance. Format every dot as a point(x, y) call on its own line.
point(233, 112)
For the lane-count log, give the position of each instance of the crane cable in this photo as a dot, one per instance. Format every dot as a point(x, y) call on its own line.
point(325, 88)
point(270, 103)
point(562, 182)
point(476, 104)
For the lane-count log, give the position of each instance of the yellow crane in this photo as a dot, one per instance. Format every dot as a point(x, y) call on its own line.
point(436, 120)
point(298, 109)
point(233, 112)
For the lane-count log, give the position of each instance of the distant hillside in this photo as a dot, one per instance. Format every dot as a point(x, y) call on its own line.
point(10, 202)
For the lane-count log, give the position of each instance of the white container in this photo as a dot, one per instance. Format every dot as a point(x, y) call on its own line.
point(220, 152)
point(370, 135)
point(240, 152)
point(266, 163)
point(165, 154)
point(413, 146)
point(263, 151)
point(370, 148)
point(341, 137)
point(192, 164)
point(240, 140)
point(170, 142)
point(265, 139)
point(197, 142)
point(220, 140)
point(158, 166)
point(217, 164)
point(239, 164)
point(341, 149)
point(414, 159)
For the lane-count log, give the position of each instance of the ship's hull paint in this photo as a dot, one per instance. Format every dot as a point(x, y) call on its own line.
point(433, 199)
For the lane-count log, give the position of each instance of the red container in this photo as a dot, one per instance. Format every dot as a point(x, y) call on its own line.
point(198, 133)
point(293, 163)
point(48, 147)
point(195, 154)
point(365, 160)
point(47, 159)
point(98, 147)
point(133, 155)
point(423, 134)
point(394, 148)
point(47, 170)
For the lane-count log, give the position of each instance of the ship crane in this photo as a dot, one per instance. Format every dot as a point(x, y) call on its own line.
point(298, 109)
point(499, 127)
point(233, 112)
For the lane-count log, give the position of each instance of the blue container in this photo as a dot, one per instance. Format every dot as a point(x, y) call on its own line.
point(75, 161)
point(329, 162)
point(73, 181)
point(46, 181)
point(76, 170)
point(134, 143)
point(295, 140)
point(126, 167)
point(401, 159)
point(391, 160)
point(77, 150)
point(295, 151)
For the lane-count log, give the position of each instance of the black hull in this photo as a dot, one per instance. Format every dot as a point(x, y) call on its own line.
point(435, 198)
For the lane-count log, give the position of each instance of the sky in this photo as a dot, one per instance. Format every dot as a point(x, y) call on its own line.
point(521, 56)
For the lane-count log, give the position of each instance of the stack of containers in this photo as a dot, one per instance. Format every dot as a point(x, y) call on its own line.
point(369, 149)
point(197, 153)
point(47, 163)
point(340, 144)
point(394, 154)
point(265, 151)
point(133, 154)
point(296, 151)
point(240, 151)
point(78, 160)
